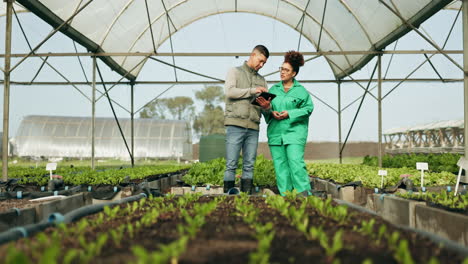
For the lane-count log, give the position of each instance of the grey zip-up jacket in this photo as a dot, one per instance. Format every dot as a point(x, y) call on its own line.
point(241, 83)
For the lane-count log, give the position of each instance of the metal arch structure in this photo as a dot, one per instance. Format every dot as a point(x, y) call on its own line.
point(177, 14)
point(438, 137)
point(343, 75)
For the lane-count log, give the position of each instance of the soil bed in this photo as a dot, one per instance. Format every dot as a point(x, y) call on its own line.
point(227, 238)
point(7, 205)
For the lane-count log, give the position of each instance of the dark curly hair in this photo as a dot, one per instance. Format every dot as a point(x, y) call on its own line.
point(294, 58)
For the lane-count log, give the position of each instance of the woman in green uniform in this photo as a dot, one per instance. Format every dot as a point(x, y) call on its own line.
point(288, 123)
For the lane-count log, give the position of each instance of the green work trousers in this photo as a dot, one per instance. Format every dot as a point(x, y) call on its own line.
point(290, 168)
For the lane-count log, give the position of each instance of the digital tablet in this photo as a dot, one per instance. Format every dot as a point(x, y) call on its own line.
point(264, 95)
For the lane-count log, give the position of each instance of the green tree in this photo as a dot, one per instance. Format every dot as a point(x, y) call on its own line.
point(180, 108)
point(211, 119)
point(211, 95)
point(155, 109)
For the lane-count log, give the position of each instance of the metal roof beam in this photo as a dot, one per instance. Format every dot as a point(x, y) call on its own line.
point(52, 34)
point(186, 70)
point(226, 54)
point(421, 34)
point(128, 72)
point(389, 80)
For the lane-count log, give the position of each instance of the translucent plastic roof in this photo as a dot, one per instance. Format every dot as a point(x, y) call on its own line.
point(455, 5)
point(122, 25)
point(18, 8)
point(429, 126)
point(61, 136)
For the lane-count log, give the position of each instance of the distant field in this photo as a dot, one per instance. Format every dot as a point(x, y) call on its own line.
point(319, 150)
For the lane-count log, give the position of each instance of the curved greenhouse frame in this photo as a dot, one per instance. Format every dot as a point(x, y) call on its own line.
point(116, 26)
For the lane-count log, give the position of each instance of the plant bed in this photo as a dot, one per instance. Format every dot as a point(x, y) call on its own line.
point(453, 226)
point(395, 209)
point(212, 172)
point(7, 205)
point(228, 229)
point(86, 176)
point(180, 173)
point(442, 200)
point(24, 212)
point(368, 175)
point(447, 208)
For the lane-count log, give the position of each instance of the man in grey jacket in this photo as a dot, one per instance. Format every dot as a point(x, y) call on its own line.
point(242, 118)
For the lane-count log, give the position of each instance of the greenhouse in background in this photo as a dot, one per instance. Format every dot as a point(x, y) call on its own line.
point(65, 136)
point(435, 137)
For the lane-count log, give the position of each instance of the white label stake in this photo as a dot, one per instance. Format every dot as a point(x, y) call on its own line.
point(463, 164)
point(382, 173)
point(422, 166)
point(51, 167)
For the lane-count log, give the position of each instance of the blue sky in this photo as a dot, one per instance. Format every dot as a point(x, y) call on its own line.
point(410, 104)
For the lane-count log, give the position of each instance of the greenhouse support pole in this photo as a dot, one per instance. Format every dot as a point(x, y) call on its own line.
point(379, 103)
point(339, 123)
point(93, 115)
point(132, 124)
point(465, 69)
point(6, 90)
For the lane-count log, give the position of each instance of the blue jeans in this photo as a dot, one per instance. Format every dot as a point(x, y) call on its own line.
point(238, 138)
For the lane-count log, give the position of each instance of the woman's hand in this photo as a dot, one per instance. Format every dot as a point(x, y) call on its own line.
point(265, 104)
point(276, 115)
point(280, 116)
point(284, 114)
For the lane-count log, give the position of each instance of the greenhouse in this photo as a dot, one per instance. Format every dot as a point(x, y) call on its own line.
point(65, 136)
point(346, 34)
point(399, 208)
point(435, 137)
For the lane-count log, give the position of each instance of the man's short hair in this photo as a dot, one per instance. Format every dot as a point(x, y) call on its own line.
point(263, 50)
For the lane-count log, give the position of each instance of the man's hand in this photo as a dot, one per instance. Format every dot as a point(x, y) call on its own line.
point(265, 104)
point(280, 116)
point(260, 89)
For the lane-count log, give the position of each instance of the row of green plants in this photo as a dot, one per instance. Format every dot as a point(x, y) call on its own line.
point(48, 247)
point(299, 217)
point(264, 233)
point(85, 175)
point(194, 219)
point(442, 198)
point(212, 172)
point(444, 162)
point(368, 175)
point(120, 227)
point(334, 243)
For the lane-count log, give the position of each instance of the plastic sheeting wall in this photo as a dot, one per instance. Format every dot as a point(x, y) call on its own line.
point(54, 136)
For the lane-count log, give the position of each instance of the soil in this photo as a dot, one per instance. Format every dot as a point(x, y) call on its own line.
point(226, 238)
point(7, 205)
